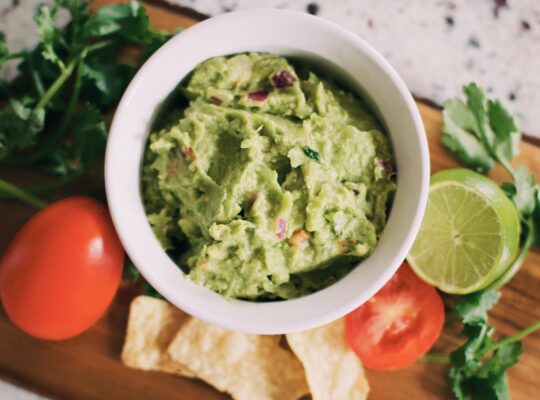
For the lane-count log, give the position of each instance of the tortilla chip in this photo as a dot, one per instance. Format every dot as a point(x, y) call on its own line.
point(152, 325)
point(333, 371)
point(246, 366)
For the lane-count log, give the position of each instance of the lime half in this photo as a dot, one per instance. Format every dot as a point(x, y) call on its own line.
point(469, 235)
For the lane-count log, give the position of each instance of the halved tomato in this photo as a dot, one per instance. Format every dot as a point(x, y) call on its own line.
point(398, 325)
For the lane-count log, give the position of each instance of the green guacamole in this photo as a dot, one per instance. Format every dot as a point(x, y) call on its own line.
point(270, 182)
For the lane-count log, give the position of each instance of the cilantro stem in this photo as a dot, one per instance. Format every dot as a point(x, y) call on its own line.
point(514, 338)
point(52, 139)
point(507, 167)
point(74, 95)
point(101, 45)
point(57, 84)
point(439, 358)
point(36, 79)
point(47, 187)
point(18, 193)
point(14, 56)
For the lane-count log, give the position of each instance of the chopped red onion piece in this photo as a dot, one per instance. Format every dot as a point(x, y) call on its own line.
point(282, 228)
point(216, 100)
point(387, 166)
point(258, 96)
point(283, 79)
point(188, 153)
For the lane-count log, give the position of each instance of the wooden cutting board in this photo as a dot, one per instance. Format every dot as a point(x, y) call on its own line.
point(89, 367)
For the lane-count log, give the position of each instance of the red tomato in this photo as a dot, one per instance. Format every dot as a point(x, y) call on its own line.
point(62, 269)
point(398, 325)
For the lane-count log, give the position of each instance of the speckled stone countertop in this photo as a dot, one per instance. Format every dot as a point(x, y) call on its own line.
point(437, 46)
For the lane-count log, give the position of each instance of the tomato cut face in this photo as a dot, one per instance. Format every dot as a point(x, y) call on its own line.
point(398, 325)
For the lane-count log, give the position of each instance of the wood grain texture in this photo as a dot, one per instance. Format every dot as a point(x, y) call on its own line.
point(89, 367)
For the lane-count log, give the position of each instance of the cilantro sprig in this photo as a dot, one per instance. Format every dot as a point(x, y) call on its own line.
point(482, 133)
point(52, 114)
point(478, 367)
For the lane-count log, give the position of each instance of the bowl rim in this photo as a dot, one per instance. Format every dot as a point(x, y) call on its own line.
point(195, 305)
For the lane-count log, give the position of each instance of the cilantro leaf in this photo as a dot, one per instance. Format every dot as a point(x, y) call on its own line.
point(35, 74)
point(503, 358)
point(157, 40)
point(76, 8)
point(19, 126)
point(104, 82)
point(479, 132)
point(506, 131)
point(148, 290)
point(86, 144)
point(496, 128)
point(525, 186)
point(311, 153)
point(58, 162)
point(460, 136)
point(458, 383)
point(494, 387)
point(4, 56)
point(473, 308)
point(130, 273)
point(465, 356)
point(4, 52)
point(476, 104)
point(90, 136)
point(50, 35)
point(130, 21)
point(509, 189)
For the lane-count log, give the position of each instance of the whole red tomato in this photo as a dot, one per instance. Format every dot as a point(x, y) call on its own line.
point(62, 269)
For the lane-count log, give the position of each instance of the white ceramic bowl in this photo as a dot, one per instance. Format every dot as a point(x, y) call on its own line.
point(327, 46)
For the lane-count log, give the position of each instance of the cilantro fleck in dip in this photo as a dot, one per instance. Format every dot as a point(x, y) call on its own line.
point(268, 184)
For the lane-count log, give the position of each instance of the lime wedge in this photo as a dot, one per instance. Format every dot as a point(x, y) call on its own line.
point(469, 235)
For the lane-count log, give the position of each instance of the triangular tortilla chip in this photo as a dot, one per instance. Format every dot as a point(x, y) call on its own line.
point(333, 371)
point(246, 366)
point(152, 325)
